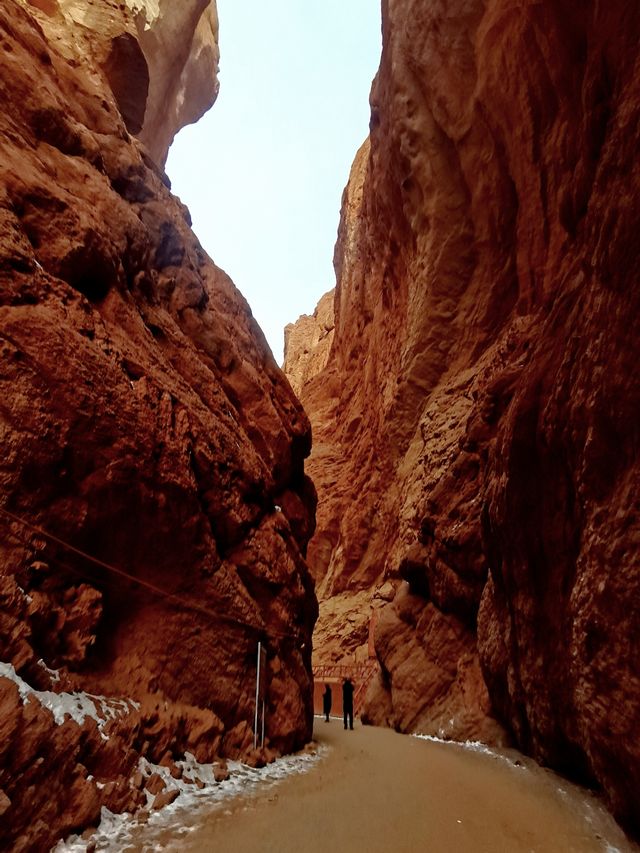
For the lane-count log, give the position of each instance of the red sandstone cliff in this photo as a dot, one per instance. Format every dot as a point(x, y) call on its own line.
point(307, 344)
point(144, 423)
point(477, 423)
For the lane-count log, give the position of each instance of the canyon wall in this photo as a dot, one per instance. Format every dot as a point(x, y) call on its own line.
point(159, 59)
point(476, 426)
point(307, 344)
point(153, 503)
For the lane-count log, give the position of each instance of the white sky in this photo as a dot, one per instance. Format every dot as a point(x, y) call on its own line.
point(263, 172)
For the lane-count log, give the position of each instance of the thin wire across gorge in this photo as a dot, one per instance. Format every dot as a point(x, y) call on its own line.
point(162, 593)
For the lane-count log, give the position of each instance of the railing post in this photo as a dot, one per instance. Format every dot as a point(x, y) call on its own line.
point(255, 725)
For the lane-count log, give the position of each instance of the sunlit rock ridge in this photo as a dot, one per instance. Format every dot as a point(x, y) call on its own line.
point(147, 433)
point(159, 58)
point(476, 425)
point(307, 344)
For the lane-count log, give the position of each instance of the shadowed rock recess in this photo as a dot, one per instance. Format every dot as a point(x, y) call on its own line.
point(476, 427)
point(143, 422)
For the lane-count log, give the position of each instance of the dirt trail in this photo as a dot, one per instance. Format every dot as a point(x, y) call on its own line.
point(379, 791)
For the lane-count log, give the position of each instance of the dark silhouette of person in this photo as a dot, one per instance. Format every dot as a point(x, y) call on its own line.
point(326, 702)
point(347, 702)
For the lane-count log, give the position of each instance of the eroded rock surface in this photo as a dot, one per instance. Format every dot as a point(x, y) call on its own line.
point(58, 774)
point(476, 426)
point(307, 344)
point(159, 58)
point(143, 422)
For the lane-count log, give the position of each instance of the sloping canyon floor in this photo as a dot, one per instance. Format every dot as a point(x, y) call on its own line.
point(376, 790)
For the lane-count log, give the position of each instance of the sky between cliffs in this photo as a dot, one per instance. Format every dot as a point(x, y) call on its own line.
point(263, 172)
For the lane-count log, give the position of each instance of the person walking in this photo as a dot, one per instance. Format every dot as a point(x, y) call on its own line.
point(347, 702)
point(326, 702)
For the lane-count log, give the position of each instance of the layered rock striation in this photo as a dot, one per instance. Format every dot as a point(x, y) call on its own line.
point(153, 502)
point(476, 424)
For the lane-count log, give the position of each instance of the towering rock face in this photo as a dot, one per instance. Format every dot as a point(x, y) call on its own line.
point(159, 58)
point(477, 420)
point(307, 344)
point(153, 503)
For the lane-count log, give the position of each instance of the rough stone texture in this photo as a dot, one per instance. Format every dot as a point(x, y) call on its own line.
point(54, 779)
point(477, 422)
point(159, 58)
point(430, 677)
point(307, 343)
point(331, 567)
point(143, 421)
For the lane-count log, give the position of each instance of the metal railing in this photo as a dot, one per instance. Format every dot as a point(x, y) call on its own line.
point(360, 673)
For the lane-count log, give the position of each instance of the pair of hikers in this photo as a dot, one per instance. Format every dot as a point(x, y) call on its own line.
point(347, 702)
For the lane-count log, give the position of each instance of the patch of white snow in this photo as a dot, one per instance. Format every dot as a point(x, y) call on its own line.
point(53, 674)
point(78, 706)
point(117, 831)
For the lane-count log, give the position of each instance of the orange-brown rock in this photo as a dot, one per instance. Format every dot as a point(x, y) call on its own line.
point(307, 343)
point(430, 679)
point(476, 424)
point(165, 798)
point(158, 60)
point(56, 777)
point(145, 424)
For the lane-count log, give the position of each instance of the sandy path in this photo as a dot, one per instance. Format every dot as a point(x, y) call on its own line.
point(379, 791)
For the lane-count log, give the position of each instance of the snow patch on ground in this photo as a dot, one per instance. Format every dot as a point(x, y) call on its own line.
point(117, 831)
point(476, 746)
point(78, 706)
point(53, 674)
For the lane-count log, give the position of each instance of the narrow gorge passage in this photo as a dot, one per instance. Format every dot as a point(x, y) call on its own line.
point(378, 791)
point(437, 495)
